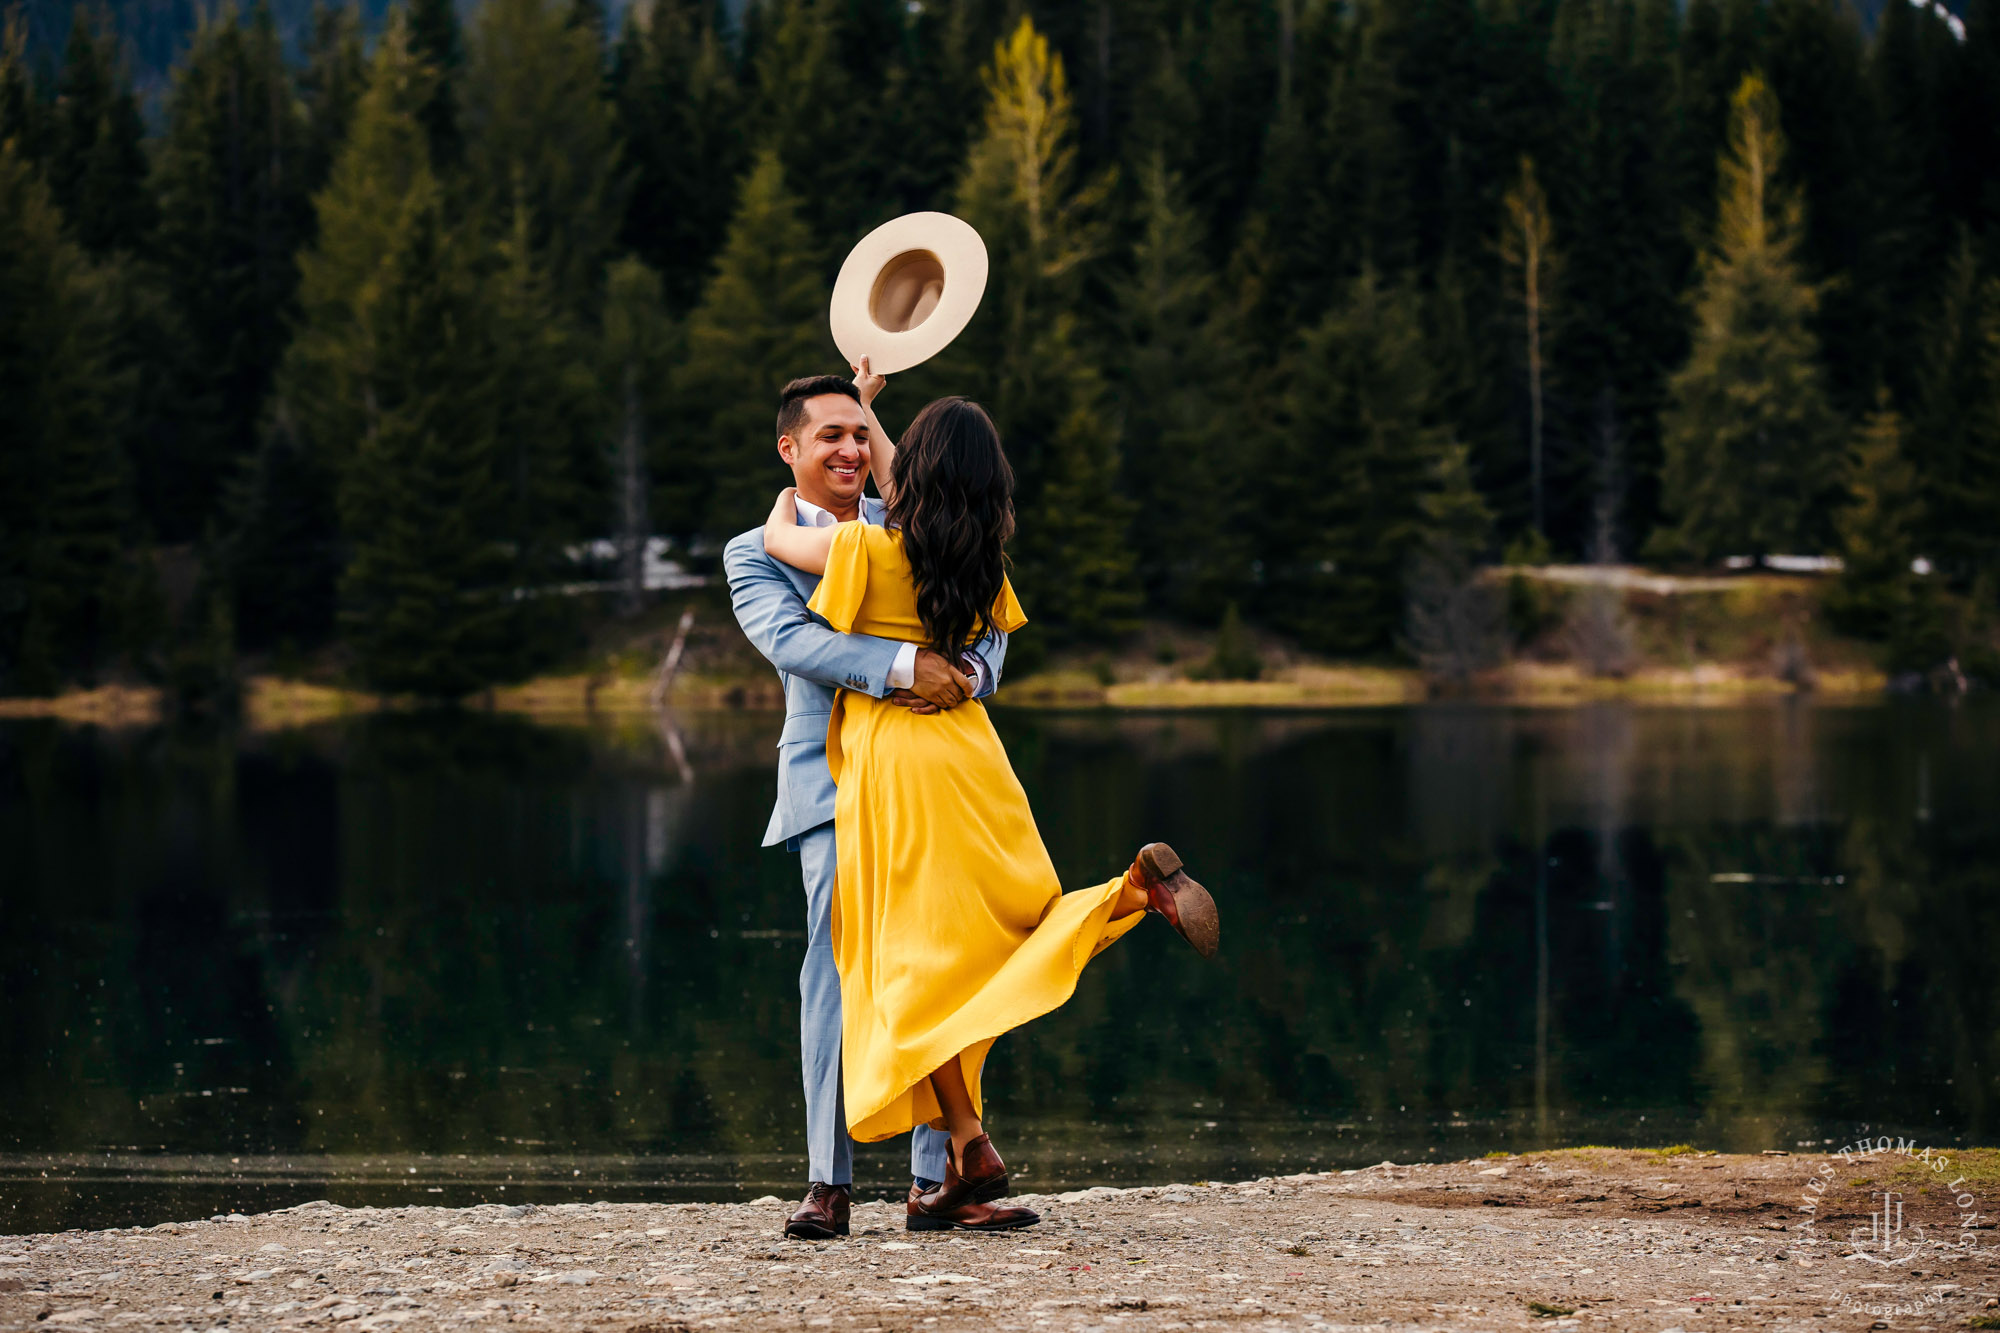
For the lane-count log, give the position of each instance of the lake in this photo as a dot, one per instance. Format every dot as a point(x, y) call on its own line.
point(459, 958)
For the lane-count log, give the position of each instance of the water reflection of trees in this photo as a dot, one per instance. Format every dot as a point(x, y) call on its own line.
point(470, 935)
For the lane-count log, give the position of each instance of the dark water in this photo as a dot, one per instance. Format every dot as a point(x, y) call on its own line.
point(453, 959)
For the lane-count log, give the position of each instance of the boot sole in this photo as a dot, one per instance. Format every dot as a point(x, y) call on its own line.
point(940, 1224)
point(806, 1232)
point(1200, 924)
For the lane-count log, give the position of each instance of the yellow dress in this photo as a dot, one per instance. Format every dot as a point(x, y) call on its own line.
point(949, 926)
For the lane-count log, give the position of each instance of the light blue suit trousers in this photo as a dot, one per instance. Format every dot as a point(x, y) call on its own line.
point(827, 1145)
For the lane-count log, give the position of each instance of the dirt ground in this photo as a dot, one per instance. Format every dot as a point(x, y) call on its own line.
point(1579, 1239)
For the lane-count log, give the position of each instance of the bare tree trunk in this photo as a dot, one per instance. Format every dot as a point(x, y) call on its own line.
point(663, 680)
point(1532, 299)
point(1287, 36)
point(632, 518)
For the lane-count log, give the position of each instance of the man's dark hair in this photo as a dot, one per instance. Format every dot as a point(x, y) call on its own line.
point(792, 399)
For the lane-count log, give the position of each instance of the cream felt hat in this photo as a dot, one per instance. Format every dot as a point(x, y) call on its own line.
point(907, 290)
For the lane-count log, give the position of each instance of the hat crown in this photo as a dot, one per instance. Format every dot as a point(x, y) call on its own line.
point(907, 290)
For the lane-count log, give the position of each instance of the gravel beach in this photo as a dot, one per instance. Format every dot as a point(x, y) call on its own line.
point(1562, 1240)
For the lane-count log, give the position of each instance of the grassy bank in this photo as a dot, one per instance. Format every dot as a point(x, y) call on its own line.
point(1574, 635)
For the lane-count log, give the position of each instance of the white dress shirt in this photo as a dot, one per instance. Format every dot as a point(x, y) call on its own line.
point(903, 672)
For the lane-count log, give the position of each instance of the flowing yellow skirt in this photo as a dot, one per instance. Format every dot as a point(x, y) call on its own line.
point(949, 927)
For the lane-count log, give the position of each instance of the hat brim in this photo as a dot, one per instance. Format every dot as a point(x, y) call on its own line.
point(961, 254)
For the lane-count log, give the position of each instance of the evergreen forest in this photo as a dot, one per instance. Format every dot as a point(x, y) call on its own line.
point(1301, 311)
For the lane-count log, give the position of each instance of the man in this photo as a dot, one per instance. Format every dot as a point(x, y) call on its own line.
point(823, 437)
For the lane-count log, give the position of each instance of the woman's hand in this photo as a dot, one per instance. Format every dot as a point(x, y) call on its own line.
point(867, 382)
point(784, 514)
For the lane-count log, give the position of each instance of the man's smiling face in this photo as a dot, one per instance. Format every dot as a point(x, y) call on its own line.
point(829, 457)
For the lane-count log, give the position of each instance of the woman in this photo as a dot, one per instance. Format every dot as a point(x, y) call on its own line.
point(949, 926)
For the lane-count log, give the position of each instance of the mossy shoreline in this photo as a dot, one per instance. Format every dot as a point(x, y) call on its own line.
point(1682, 642)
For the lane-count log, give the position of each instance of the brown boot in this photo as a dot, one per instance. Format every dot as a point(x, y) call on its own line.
point(975, 1176)
point(822, 1216)
point(927, 1213)
point(1185, 904)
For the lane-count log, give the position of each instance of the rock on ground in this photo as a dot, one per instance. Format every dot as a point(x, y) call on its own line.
point(1563, 1240)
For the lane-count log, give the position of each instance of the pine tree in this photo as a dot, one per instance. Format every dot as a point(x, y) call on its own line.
point(1344, 511)
point(97, 163)
point(427, 600)
point(1879, 528)
point(636, 350)
point(1074, 558)
point(1180, 399)
point(1029, 362)
point(1042, 225)
point(1956, 445)
point(679, 117)
point(1814, 61)
point(811, 54)
point(438, 41)
point(285, 549)
point(230, 182)
point(548, 428)
point(330, 85)
point(1748, 433)
point(1527, 244)
point(1454, 623)
point(62, 479)
point(1613, 180)
point(23, 116)
point(383, 161)
point(540, 138)
point(761, 322)
point(1911, 64)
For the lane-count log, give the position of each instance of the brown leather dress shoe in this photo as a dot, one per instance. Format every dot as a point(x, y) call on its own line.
point(926, 1214)
point(822, 1216)
point(1185, 904)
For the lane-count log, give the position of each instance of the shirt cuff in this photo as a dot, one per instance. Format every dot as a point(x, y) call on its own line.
point(982, 678)
point(903, 672)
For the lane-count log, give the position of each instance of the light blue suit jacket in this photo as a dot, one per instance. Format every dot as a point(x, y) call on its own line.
point(813, 661)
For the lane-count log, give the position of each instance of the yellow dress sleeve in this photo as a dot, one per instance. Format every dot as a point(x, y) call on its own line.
point(838, 597)
point(1006, 609)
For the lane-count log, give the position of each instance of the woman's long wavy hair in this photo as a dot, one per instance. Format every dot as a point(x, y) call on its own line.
point(955, 506)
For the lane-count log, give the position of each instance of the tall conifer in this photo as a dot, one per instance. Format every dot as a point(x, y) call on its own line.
point(428, 599)
point(1029, 361)
point(330, 84)
point(680, 121)
point(1956, 443)
point(761, 322)
point(1749, 437)
point(540, 139)
point(1184, 414)
point(230, 180)
point(438, 40)
point(97, 161)
point(1879, 527)
point(1043, 222)
point(1346, 479)
point(62, 480)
